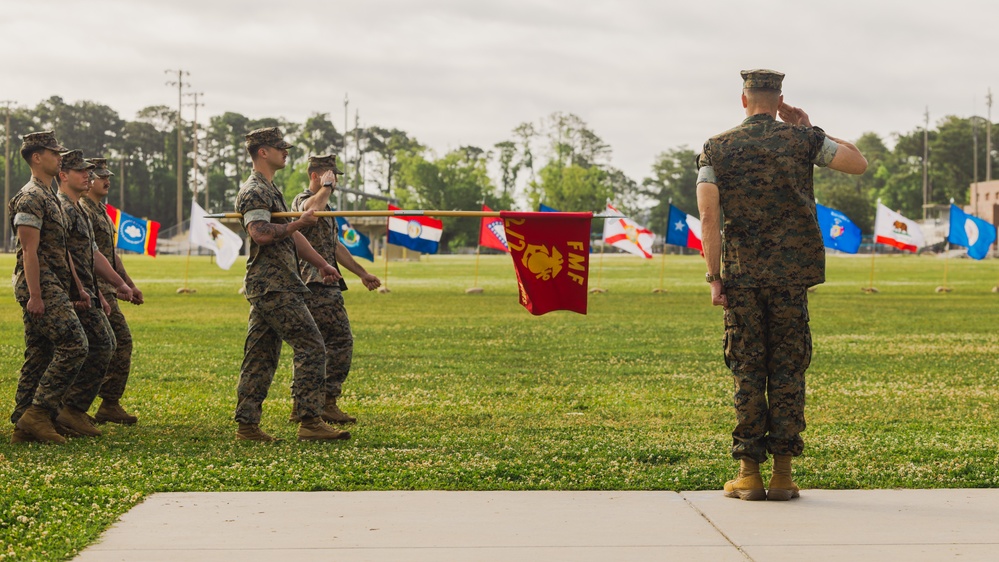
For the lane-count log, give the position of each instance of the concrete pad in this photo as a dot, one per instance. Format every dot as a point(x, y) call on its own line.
point(414, 526)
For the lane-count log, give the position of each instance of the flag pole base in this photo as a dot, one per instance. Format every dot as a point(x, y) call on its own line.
point(812, 289)
point(185, 290)
point(943, 289)
point(474, 291)
point(995, 289)
point(663, 291)
point(869, 290)
point(598, 290)
point(384, 289)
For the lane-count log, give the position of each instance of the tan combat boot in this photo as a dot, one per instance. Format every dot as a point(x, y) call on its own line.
point(294, 417)
point(333, 414)
point(782, 488)
point(748, 485)
point(21, 436)
point(252, 432)
point(37, 423)
point(315, 429)
point(77, 421)
point(112, 412)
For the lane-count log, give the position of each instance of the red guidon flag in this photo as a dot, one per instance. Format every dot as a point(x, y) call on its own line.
point(491, 234)
point(551, 254)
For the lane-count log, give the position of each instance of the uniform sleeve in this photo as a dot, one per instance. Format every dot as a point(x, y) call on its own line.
point(299, 201)
point(253, 205)
point(28, 211)
point(826, 147)
point(705, 171)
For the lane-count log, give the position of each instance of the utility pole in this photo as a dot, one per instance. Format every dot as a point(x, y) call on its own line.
point(6, 180)
point(926, 160)
point(180, 141)
point(346, 181)
point(121, 182)
point(357, 140)
point(988, 137)
point(195, 104)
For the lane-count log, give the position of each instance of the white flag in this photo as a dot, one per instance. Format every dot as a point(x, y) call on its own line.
point(628, 235)
point(895, 230)
point(212, 235)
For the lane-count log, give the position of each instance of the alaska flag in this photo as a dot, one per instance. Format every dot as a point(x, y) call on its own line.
point(542, 208)
point(683, 229)
point(972, 232)
point(838, 231)
point(134, 234)
point(355, 242)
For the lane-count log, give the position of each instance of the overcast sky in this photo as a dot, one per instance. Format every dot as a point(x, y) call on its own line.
point(646, 75)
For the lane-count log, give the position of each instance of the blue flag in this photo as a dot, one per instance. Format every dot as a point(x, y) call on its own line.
point(355, 242)
point(838, 231)
point(542, 208)
point(972, 232)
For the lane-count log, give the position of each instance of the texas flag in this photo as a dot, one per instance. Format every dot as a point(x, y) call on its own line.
point(895, 230)
point(419, 233)
point(972, 232)
point(491, 233)
point(134, 234)
point(683, 229)
point(627, 235)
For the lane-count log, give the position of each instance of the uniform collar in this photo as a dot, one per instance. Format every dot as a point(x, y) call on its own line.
point(758, 118)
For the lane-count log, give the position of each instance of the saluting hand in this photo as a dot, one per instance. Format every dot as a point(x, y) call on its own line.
point(328, 177)
point(793, 115)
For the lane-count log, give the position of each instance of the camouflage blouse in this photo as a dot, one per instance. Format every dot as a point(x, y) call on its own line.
point(323, 236)
point(80, 243)
point(274, 267)
point(104, 237)
point(763, 170)
point(36, 206)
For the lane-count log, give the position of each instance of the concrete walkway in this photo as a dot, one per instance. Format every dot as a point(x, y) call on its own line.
point(854, 525)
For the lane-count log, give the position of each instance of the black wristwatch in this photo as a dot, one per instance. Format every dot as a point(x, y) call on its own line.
point(711, 278)
point(329, 185)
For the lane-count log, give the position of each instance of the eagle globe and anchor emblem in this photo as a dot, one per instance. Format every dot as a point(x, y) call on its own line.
point(544, 264)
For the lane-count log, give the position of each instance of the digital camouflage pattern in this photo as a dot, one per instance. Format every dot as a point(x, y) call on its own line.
point(55, 348)
point(274, 267)
point(768, 347)
point(325, 162)
point(120, 365)
point(80, 244)
point(73, 160)
point(104, 233)
point(762, 78)
point(324, 236)
point(41, 139)
point(275, 317)
point(101, 347)
point(325, 302)
point(270, 136)
point(763, 170)
point(37, 206)
point(101, 167)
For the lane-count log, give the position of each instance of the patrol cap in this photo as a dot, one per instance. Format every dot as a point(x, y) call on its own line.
point(762, 78)
point(41, 139)
point(269, 136)
point(326, 162)
point(101, 167)
point(73, 160)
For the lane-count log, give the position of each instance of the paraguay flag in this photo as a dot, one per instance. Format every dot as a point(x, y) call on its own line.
point(972, 232)
point(838, 231)
point(356, 243)
point(134, 234)
point(683, 229)
point(419, 233)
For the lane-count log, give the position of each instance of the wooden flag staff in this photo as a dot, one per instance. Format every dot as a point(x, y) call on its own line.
point(399, 213)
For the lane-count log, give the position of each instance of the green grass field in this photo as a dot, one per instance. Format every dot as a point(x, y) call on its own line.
point(470, 392)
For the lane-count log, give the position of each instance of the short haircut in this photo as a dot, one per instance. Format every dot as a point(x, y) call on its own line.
point(27, 153)
point(767, 96)
point(313, 169)
point(253, 148)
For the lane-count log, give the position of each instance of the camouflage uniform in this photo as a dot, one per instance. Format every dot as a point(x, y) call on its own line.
point(325, 301)
point(55, 344)
point(100, 336)
point(772, 252)
point(116, 376)
point(277, 312)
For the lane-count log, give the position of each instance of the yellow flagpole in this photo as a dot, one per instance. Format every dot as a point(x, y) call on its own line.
point(600, 270)
point(475, 284)
point(662, 271)
point(944, 288)
point(870, 286)
point(384, 288)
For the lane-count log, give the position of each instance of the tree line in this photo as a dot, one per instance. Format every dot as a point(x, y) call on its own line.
point(557, 159)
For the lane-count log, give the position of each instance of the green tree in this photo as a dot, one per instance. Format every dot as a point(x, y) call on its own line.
point(674, 176)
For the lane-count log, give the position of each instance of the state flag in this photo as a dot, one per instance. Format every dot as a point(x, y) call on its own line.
point(971, 232)
point(546, 209)
point(213, 235)
point(356, 243)
point(134, 234)
point(683, 229)
point(551, 259)
point(893, 229)
point(627, 235)
point(838, 231)
point(491, 233)
point(419, 233)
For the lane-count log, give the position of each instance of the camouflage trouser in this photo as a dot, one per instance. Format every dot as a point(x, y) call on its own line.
point(768, 347)
point(55, 347)
point(120, 366)
point(100, 338)
point(274, 317)
point(326, 305)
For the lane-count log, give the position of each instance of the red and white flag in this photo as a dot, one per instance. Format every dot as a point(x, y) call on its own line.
point(895, 230)
point(551, 253)
point(627, 235)
point(492, 234)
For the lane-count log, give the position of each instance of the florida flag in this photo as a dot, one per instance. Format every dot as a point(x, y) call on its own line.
point(626, 234)
point(419, 233)
point(134, 234)
point(895, 230)
point(972, 232)
point(491, 233)
point(683, 229)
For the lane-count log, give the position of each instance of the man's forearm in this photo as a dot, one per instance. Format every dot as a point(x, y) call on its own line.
point(32, 273)
point(307, 252)
point(344, 258)
point(105, 270)
point(266, 233)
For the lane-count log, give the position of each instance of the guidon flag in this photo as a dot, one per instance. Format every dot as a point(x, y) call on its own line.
point(627, 235)
point(683, 229)
point(893, 229)
point(491, 233)
point(418, 233)
point(971, 232)
point(134, 234)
